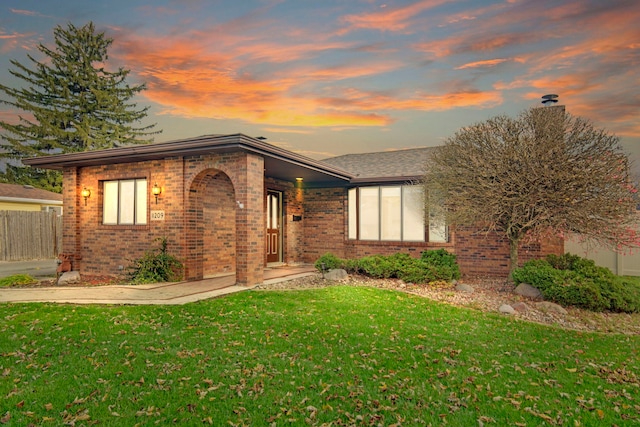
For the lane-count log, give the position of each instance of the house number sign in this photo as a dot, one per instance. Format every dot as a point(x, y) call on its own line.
point(157, 215)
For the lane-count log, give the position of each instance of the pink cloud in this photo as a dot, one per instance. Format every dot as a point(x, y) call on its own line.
point(482, 64)
point(24, 12)
point(13, 41)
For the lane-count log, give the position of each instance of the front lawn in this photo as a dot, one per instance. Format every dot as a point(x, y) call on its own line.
point(333, 356)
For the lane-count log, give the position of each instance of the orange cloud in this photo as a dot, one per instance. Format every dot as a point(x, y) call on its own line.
point(389, 19)
point(370, 101)
point(186, 79)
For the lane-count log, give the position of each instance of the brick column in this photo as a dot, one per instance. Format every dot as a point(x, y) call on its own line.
point(71, 215)
point(250, 229)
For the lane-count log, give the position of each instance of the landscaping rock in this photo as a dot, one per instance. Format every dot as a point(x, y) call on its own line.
point(68, 278)
point(336, 274)
point(550, 307)
point(520, 307)
point(528, 291)
point(506, 309)
point(464, 288)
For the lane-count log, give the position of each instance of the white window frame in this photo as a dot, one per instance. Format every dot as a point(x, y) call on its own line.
point(125, 201)
point(393, 213)
point(405, 221)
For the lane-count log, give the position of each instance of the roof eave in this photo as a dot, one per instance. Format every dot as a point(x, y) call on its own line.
point(182, 148)
point(387, 180)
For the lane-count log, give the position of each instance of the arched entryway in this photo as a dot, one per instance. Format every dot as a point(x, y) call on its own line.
point(211, 226)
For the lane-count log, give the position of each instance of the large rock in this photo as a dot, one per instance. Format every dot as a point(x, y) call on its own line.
point(550, 307)
point(506, 309)
point(462, 287)
point(69, 278)
point(520, 307)
point(528, 291)
point(336, 274)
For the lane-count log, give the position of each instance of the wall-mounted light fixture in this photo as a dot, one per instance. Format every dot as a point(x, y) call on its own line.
point(86, 193)
point(156, 191)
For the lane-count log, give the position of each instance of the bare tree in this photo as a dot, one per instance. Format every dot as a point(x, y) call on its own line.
point(543, 174)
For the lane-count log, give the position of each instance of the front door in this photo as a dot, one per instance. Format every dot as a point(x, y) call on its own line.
point(274, 225)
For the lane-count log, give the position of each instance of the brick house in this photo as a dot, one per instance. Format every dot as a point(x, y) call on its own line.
point(236, 204)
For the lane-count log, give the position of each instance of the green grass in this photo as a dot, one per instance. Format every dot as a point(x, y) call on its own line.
point(16, 280)
point(333, 356)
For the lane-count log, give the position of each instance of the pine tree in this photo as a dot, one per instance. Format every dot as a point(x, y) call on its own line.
point(72, 103)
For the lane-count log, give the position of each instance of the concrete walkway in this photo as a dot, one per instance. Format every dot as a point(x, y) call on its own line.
point(159, 294)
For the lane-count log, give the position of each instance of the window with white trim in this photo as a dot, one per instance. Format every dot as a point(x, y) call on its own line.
point(124, 202)
point(392, 213)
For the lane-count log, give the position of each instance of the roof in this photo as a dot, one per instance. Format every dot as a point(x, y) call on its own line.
point(28, 194)
point(399, 165)
point(385, 166)
point(279, 163)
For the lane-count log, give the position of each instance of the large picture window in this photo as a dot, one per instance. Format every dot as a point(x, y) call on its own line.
point(392, 213)
point(125, 202)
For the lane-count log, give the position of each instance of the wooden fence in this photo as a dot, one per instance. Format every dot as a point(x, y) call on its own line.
point(30, 235)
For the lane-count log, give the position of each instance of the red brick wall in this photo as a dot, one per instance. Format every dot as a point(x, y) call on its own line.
point(104, 249)
point(219, 225)
point(324, 222)
point(487, 255)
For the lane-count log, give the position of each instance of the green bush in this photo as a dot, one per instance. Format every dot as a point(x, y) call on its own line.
point(570, 280)
point(431, 266)
point(155, 266)
point(329, 261)
point(445, 262)
point(16, 280)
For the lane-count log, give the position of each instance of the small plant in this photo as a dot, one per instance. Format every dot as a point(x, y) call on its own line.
point(156, 265)
point(17, 280)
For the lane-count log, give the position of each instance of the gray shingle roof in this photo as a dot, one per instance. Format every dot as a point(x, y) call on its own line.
point(401, 164)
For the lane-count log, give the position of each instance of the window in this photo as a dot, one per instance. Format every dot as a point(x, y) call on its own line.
point(392, 213)
point(125, 202)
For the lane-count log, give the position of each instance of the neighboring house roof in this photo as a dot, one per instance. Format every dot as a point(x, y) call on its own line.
point(279, 163)
point(399, 165)
point(28, 194)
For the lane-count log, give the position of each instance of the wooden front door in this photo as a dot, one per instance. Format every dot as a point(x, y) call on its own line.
point(274, 225)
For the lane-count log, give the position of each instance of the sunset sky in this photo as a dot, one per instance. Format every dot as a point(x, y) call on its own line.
point(331, 77)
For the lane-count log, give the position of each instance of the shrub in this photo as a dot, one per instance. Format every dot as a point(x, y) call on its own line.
point(16, 280)
point(156, 265)
point(431, 266)
point(570, 280)
point(329, 261)
point(444, 261)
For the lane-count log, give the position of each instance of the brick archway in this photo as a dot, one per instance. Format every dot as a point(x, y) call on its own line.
point(211, 226)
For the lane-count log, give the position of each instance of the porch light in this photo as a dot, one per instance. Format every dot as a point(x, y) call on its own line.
point(86, 193)
point(156, 190)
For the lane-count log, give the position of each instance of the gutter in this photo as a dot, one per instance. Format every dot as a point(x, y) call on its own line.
point(34, 201)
